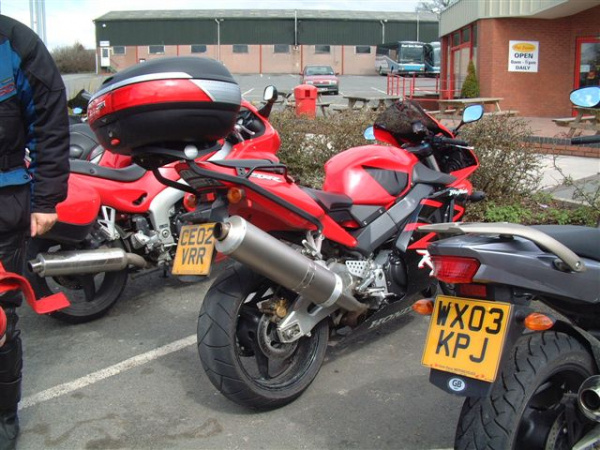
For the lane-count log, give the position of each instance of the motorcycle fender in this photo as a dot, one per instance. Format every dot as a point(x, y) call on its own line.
point(459, 384)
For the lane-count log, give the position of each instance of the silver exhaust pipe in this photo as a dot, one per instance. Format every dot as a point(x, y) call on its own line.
point(266, 255)
point(79, 262)
point(589, 398)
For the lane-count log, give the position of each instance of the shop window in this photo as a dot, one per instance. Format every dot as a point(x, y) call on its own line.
point(322, 49)
point(363, 49)
point(456, 39)
point(156, 49)
point(240, 48)
point(119, 50)
point(198, 48)
point(466, 35)
point(281, 48)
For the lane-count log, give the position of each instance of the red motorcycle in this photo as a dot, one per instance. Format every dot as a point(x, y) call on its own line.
point(347, 257)
point(118, 218)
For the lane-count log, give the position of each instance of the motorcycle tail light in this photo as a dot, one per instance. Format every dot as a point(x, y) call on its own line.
point(146, 93)
point(539, 322)
point(454, 269)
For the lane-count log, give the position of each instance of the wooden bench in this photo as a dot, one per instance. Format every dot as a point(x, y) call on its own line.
point(567, 121)
point(509, 113)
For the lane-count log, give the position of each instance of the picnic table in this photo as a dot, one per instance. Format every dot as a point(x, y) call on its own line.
point(585, 119)
point(453, 108)
point(381, 100)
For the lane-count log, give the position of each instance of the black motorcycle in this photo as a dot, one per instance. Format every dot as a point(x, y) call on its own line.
point(517, 329)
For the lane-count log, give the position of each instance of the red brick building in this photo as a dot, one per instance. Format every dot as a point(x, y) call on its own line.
point(530, 53)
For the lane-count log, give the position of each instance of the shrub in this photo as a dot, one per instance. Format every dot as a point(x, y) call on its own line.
point(74, 59)
point(509, 170)
point(470, 87)
point(307, 144)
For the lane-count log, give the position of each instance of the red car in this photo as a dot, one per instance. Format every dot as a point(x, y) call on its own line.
point(322, 77)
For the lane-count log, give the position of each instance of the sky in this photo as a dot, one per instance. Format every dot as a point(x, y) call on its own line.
point(70, 21)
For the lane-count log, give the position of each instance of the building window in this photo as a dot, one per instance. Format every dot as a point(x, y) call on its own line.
point(322, 49)
point(281, 48)
point(240, 48)
point(198, 48)
point(118, 50)
point(456, 39)
point(363, 49)
point(156, 49)
point(475, 35)
point(466, 35)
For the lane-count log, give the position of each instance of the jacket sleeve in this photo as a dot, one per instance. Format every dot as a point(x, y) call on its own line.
point(45, 111)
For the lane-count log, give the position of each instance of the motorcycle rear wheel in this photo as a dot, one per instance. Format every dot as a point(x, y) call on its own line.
point(91, 296)
point(527, 406)
point(239, 349)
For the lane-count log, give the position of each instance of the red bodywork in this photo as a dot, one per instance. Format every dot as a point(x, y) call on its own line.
point(88, 193)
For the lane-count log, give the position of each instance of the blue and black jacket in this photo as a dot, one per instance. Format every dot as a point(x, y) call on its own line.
point(33, 115)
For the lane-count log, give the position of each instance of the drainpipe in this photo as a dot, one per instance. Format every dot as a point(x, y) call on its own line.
point(295, 28)
point(218, 39)
point(417, 25)
point(382, 22)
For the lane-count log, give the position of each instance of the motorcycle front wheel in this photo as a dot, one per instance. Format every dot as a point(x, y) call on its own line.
point(239, 348)
point(91, 295)
point(533, 401)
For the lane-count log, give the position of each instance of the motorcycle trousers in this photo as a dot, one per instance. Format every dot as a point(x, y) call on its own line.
point(14, 223)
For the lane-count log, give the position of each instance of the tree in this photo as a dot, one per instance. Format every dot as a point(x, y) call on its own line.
point(74, 59)
point(470, 87)
point(434, 6)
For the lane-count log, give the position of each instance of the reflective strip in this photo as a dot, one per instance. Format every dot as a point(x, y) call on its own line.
point(221, 91)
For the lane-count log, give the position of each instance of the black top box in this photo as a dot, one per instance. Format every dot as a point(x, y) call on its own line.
point(165, 102)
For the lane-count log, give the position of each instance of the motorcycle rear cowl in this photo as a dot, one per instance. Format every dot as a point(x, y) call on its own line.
point(170, 101)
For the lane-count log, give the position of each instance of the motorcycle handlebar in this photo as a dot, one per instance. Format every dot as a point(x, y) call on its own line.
point(585, 140)
point(449, 141)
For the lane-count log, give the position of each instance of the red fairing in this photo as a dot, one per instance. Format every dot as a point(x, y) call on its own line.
point(346, 173)
point(81, 205)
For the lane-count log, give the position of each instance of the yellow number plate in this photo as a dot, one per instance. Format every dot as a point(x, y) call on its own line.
point(194, 250)
point(466, 337)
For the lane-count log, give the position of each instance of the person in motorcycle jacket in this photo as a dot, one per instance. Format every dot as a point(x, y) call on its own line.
point(33, 116)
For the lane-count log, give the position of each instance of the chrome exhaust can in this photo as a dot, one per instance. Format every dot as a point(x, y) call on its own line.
point(280, 263)
point(79, 262)
point(588, 398)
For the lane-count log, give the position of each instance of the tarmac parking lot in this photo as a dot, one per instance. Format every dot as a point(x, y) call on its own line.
point(133, 379)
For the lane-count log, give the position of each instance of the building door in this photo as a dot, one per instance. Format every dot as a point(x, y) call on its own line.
point(587, 62)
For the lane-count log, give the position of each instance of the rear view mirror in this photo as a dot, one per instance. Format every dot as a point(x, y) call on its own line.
point(270, 94)
point(588, 97)
point(472, 113)
point(369, 134)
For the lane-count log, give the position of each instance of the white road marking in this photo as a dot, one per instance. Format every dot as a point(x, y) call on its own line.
point(131, 363)
point(378, 90)
point(247, 92)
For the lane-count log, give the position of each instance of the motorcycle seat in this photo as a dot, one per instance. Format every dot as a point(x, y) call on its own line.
point(128, 174)
point(424, 175)
point(328, 200)
point(584, 241)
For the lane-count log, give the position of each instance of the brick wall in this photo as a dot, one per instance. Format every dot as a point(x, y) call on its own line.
point(541, 94)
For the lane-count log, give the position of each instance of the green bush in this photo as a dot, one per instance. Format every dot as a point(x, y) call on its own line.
point(74, 59)
point(470, 87)
point(307, 144)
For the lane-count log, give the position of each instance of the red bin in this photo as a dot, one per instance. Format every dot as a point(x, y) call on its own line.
point(306, 100)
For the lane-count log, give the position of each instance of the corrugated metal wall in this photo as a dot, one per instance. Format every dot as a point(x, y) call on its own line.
point(260, 31)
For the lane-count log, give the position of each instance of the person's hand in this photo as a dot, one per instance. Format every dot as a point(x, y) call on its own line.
point(42, 222)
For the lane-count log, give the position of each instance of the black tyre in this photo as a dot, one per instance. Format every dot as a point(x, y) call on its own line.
point(240, 351)
point(527, 408)
point(91, 295)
